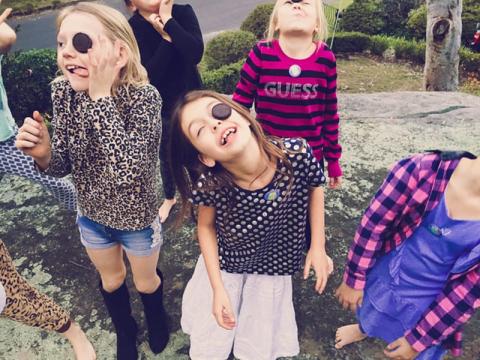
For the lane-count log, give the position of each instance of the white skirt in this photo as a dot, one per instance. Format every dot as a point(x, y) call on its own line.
point(265, 318)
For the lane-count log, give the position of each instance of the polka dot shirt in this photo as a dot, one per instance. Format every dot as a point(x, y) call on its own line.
point(263, 231)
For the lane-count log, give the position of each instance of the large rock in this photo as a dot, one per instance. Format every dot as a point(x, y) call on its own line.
point(376, 130)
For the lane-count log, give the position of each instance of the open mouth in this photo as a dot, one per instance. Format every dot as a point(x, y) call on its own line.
point(77, 70)
point(226, 135)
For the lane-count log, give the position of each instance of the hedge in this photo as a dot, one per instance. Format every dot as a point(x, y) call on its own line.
point(257, 21)
point(228, 47)
point(345, 42)
point(224, 79)
point(27, 76)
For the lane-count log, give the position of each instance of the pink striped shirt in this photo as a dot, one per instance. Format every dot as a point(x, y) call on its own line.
point(294, 98)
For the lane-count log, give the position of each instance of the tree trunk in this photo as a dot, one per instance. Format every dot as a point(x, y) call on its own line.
point(444, 31)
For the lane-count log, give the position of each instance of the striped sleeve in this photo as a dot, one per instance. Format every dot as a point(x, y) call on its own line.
point(332, 147)
point(446, 315)
point(386, 206)
point(247, 86)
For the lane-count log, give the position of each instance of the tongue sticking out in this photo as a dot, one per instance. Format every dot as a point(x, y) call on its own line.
point(81, 72)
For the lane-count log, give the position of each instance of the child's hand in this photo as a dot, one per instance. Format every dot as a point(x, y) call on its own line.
point(400, 349)
point(349, 298)
point(33, 139)
point(222, 310)
point(323, 266)
point(105, 65)
point(165, 10)
point(335, 182)
point(159, 25)
point(6, 13)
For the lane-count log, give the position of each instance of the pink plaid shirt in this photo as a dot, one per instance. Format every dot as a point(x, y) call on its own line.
point(411, 190)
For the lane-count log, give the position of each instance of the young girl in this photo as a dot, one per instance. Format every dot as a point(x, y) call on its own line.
point(291, 77)
point(171, 46)
point(252, 194)
point(413, 271)
point(107, 132)
point(21, 302)
point(12, 160)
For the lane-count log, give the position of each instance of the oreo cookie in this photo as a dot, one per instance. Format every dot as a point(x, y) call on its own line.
point(82, 42)
point(221, 111)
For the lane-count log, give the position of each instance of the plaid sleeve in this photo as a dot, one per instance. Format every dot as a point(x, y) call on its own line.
point(445, 316)
point(385, 207)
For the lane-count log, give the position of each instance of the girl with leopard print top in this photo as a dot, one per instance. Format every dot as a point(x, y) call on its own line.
point(107, 130)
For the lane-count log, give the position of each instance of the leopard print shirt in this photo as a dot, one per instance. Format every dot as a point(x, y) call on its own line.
point(110, 146)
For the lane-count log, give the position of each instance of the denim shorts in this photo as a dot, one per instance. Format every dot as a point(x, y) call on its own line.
point(137, 242)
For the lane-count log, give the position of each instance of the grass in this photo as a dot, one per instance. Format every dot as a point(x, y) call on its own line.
point(365, 74)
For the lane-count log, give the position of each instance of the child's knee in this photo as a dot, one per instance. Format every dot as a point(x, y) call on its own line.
point(146, 284)
point(113, 282)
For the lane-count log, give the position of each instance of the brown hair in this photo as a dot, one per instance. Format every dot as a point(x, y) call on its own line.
point(185, 164)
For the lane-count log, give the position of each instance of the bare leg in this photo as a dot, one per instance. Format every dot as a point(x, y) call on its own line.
point(144, 269)
point(82, 348)
point(109, 263)
point(348, 334)
point(165, 209)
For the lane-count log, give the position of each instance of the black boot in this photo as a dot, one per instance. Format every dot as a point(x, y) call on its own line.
point(157, 319)
point(118, 305)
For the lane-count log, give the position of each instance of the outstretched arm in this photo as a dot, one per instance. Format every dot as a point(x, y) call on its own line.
point(7, 34)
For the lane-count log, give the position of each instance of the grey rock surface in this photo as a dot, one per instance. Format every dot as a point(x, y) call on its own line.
point(376, 130)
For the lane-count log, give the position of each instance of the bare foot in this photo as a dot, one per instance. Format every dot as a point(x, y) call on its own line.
point(348, 334)
point(164, 210)
point(82, 348)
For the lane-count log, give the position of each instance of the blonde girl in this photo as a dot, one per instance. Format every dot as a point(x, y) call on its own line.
point(107, 129)
point(291, 79)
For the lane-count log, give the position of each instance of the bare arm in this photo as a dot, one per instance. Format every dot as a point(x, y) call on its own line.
point(317, 256)
point(207, 237)
point(7, 34)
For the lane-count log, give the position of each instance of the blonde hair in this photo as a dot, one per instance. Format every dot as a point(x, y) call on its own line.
point(116, 27)
point(321, 32)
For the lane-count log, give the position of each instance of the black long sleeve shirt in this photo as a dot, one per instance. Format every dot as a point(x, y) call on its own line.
point(171, 66)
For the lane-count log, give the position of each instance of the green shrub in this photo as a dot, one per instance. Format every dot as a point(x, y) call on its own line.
point(395, 15)
point(227, 48)
point(470, 61)
point(27, 76)
point(224, 79)
point(350, 42)
point(365, 16)
point(408, 49)
point(379, 43)
point(417, 22)
point(257, 21)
